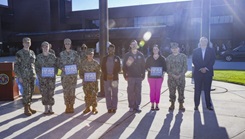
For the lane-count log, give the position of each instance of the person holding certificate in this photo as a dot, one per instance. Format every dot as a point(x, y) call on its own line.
point(68, 63)
point(156, 67)
point(176, 69)
point(46, 69)
point(89, 72)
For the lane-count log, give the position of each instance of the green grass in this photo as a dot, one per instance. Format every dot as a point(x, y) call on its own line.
point(230, 76)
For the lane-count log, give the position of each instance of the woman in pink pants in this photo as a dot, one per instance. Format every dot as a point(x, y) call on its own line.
point(156, 67)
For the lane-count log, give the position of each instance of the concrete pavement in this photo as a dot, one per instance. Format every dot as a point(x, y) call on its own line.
point(227, 121)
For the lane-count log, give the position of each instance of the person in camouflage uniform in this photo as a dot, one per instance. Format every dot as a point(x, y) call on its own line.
point(24, 69)
point(68, 63)
point(89, 72)
point(50, 49)
point(176, 69)
point(46, 68)
point(83, 55)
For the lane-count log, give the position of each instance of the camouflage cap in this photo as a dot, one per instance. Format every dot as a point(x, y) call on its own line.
point(174, 45)
point(90, 51)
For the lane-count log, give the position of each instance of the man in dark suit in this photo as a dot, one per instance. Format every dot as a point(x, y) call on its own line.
point(203, 60)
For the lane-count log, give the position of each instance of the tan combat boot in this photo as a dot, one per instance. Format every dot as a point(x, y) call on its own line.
point(71, 108)
point(94, 110)
point(87, 110)
point(27, 112)
point(181, 107)
point(171, 106)
point(67, 109)
point(31, 110)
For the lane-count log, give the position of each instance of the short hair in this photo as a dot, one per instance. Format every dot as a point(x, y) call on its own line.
point(133, 41)
point(26, 39)
point(67, 40)
point(203, 38)
point(84, 46)
point(112, 46)
point(45, 43)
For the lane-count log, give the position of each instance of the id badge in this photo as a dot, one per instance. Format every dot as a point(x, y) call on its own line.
point(156, 71)
point(48, 72)
point(70, 69)
point(90, 77)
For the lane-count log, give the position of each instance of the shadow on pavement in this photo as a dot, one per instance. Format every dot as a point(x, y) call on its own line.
point(119, 126)
point(86, 131)
point(144, 126)
point(210, 127)
point(165, 131)
point(39, 129)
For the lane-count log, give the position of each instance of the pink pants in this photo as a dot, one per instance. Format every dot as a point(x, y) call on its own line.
point(155, 89)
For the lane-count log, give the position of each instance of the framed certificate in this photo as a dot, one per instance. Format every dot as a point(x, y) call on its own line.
point(48, 72)
point(156, 71)
point(70, 69)
point(89, 77)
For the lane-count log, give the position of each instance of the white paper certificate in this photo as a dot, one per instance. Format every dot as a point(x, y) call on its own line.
point(48, 72)
point(89, 77)
point(156, 71)
point(70, 69)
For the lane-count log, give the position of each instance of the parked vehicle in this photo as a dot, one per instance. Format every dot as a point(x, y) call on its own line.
point(238, 52)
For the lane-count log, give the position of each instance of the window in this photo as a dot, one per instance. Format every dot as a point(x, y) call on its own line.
point(221, 19)
point(154, 21)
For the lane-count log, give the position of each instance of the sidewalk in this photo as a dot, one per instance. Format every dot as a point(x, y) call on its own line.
point(219, 64)
point(227, 121)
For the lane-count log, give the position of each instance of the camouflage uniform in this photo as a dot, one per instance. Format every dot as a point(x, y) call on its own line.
point(52, 51)
point(69, 82)
point(83, 55)
point(176, 65)
point(24, 68)
point(90, 88)
point(47, 84)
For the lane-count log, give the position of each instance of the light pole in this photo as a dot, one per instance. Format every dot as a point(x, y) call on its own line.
point(103, 39)
point(205, 26)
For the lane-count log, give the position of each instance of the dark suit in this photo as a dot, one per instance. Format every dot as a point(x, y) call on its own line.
point(203, 80)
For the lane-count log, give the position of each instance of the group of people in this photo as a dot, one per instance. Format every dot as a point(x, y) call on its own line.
point(45, 66)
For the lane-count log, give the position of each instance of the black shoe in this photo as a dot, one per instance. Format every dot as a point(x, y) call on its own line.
point(152, 108)
point(113, 110)
point(109, 111)
point(196, 108)
point(210, 108)
point(157, 109)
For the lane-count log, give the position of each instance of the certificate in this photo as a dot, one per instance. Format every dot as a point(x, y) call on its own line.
point(89, 77)
point(48, 72)
point(156, 71)
point(70, 69)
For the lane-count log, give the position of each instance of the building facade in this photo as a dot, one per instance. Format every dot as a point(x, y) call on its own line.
point(54, 20)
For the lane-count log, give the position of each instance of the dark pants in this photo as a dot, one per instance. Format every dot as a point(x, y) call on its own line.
point(203, 82)
point(134, 92)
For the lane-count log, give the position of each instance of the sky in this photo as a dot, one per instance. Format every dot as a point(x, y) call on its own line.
point(94, 4)
point(4, 2)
